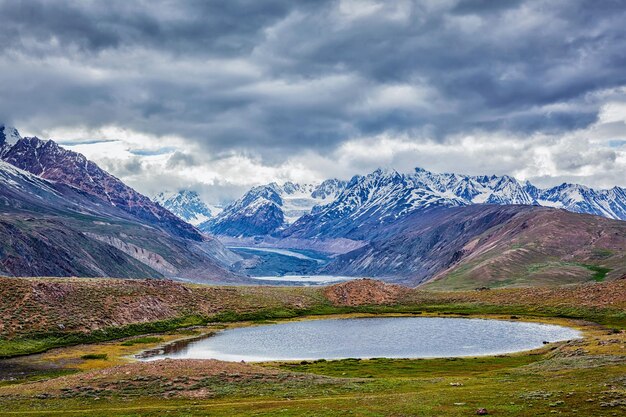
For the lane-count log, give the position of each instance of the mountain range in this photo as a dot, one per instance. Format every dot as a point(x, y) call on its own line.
point(447, 230)
point(338, 209)
point(62, 215)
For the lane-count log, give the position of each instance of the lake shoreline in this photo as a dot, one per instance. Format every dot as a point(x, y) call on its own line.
point(420, 336)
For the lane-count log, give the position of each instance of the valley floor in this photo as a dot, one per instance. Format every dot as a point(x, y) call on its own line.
point(585, 377)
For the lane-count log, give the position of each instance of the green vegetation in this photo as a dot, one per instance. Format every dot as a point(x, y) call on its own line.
point(602, 253)
point(408, 368)
point(42, 342)
point(142, 340)
point(38, 376)
point(599, 273)
point(94, 356)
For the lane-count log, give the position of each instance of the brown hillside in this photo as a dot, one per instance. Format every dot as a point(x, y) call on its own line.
point(540, 247)
point(43, 306)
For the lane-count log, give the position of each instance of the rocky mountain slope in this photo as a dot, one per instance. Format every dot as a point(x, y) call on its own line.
point(265, 210)
point(46, 159)
point(489, 245)
point(59, 228)
point(187, 205)
point(51, 229)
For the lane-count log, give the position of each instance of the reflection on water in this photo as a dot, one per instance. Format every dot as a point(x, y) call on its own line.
point(177, 347)
point(392, 337)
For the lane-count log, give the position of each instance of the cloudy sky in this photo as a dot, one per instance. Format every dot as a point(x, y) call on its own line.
point(220, 95)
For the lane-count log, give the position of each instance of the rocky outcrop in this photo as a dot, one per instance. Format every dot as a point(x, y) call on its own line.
point(364, 292)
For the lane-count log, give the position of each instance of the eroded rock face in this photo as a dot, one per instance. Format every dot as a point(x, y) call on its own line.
point(364, 292)
point(153, 260)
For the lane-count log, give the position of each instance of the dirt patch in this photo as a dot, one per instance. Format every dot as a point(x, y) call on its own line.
point(364, 292)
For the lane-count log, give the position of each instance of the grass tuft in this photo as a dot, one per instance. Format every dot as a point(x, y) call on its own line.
point(92, 356)
point(142, 340)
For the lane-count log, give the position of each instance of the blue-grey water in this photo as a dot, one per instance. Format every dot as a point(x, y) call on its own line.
point(390, 337)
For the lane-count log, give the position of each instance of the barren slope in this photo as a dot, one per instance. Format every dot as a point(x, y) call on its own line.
point(493, 246)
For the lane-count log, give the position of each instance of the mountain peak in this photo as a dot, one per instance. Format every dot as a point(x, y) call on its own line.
point(9, 136)
point(385, 172)
point(185, 204)
point(266, 209)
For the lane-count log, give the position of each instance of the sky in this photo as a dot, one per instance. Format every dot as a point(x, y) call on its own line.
point(217, 96)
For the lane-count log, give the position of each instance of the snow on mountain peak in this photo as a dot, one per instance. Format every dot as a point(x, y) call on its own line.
point(385, 194)
point(9, 136)
point(272, 207)
point(185, 204)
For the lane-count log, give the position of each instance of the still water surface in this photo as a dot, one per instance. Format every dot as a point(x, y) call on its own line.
point(390, 337)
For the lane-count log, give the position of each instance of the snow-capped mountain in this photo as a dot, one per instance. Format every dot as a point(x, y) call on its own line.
point(335, 208)
point(187, 205)
point(9, 136)
point(374, 199)
point(384, 196)
point(266, 209)
point(300, 199)
point(580, 199)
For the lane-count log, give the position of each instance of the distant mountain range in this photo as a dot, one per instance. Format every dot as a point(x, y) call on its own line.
point(62, 215)
point(384, 196)
point(447, 230)
point(336, 209)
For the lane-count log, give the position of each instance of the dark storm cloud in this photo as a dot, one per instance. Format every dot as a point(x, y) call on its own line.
point(180, 159)
point(275, 77)
point(203, 27)
point(484, 6)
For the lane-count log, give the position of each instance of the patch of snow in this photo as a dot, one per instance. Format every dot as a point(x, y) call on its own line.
point(548, 203)
point(11, 135)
